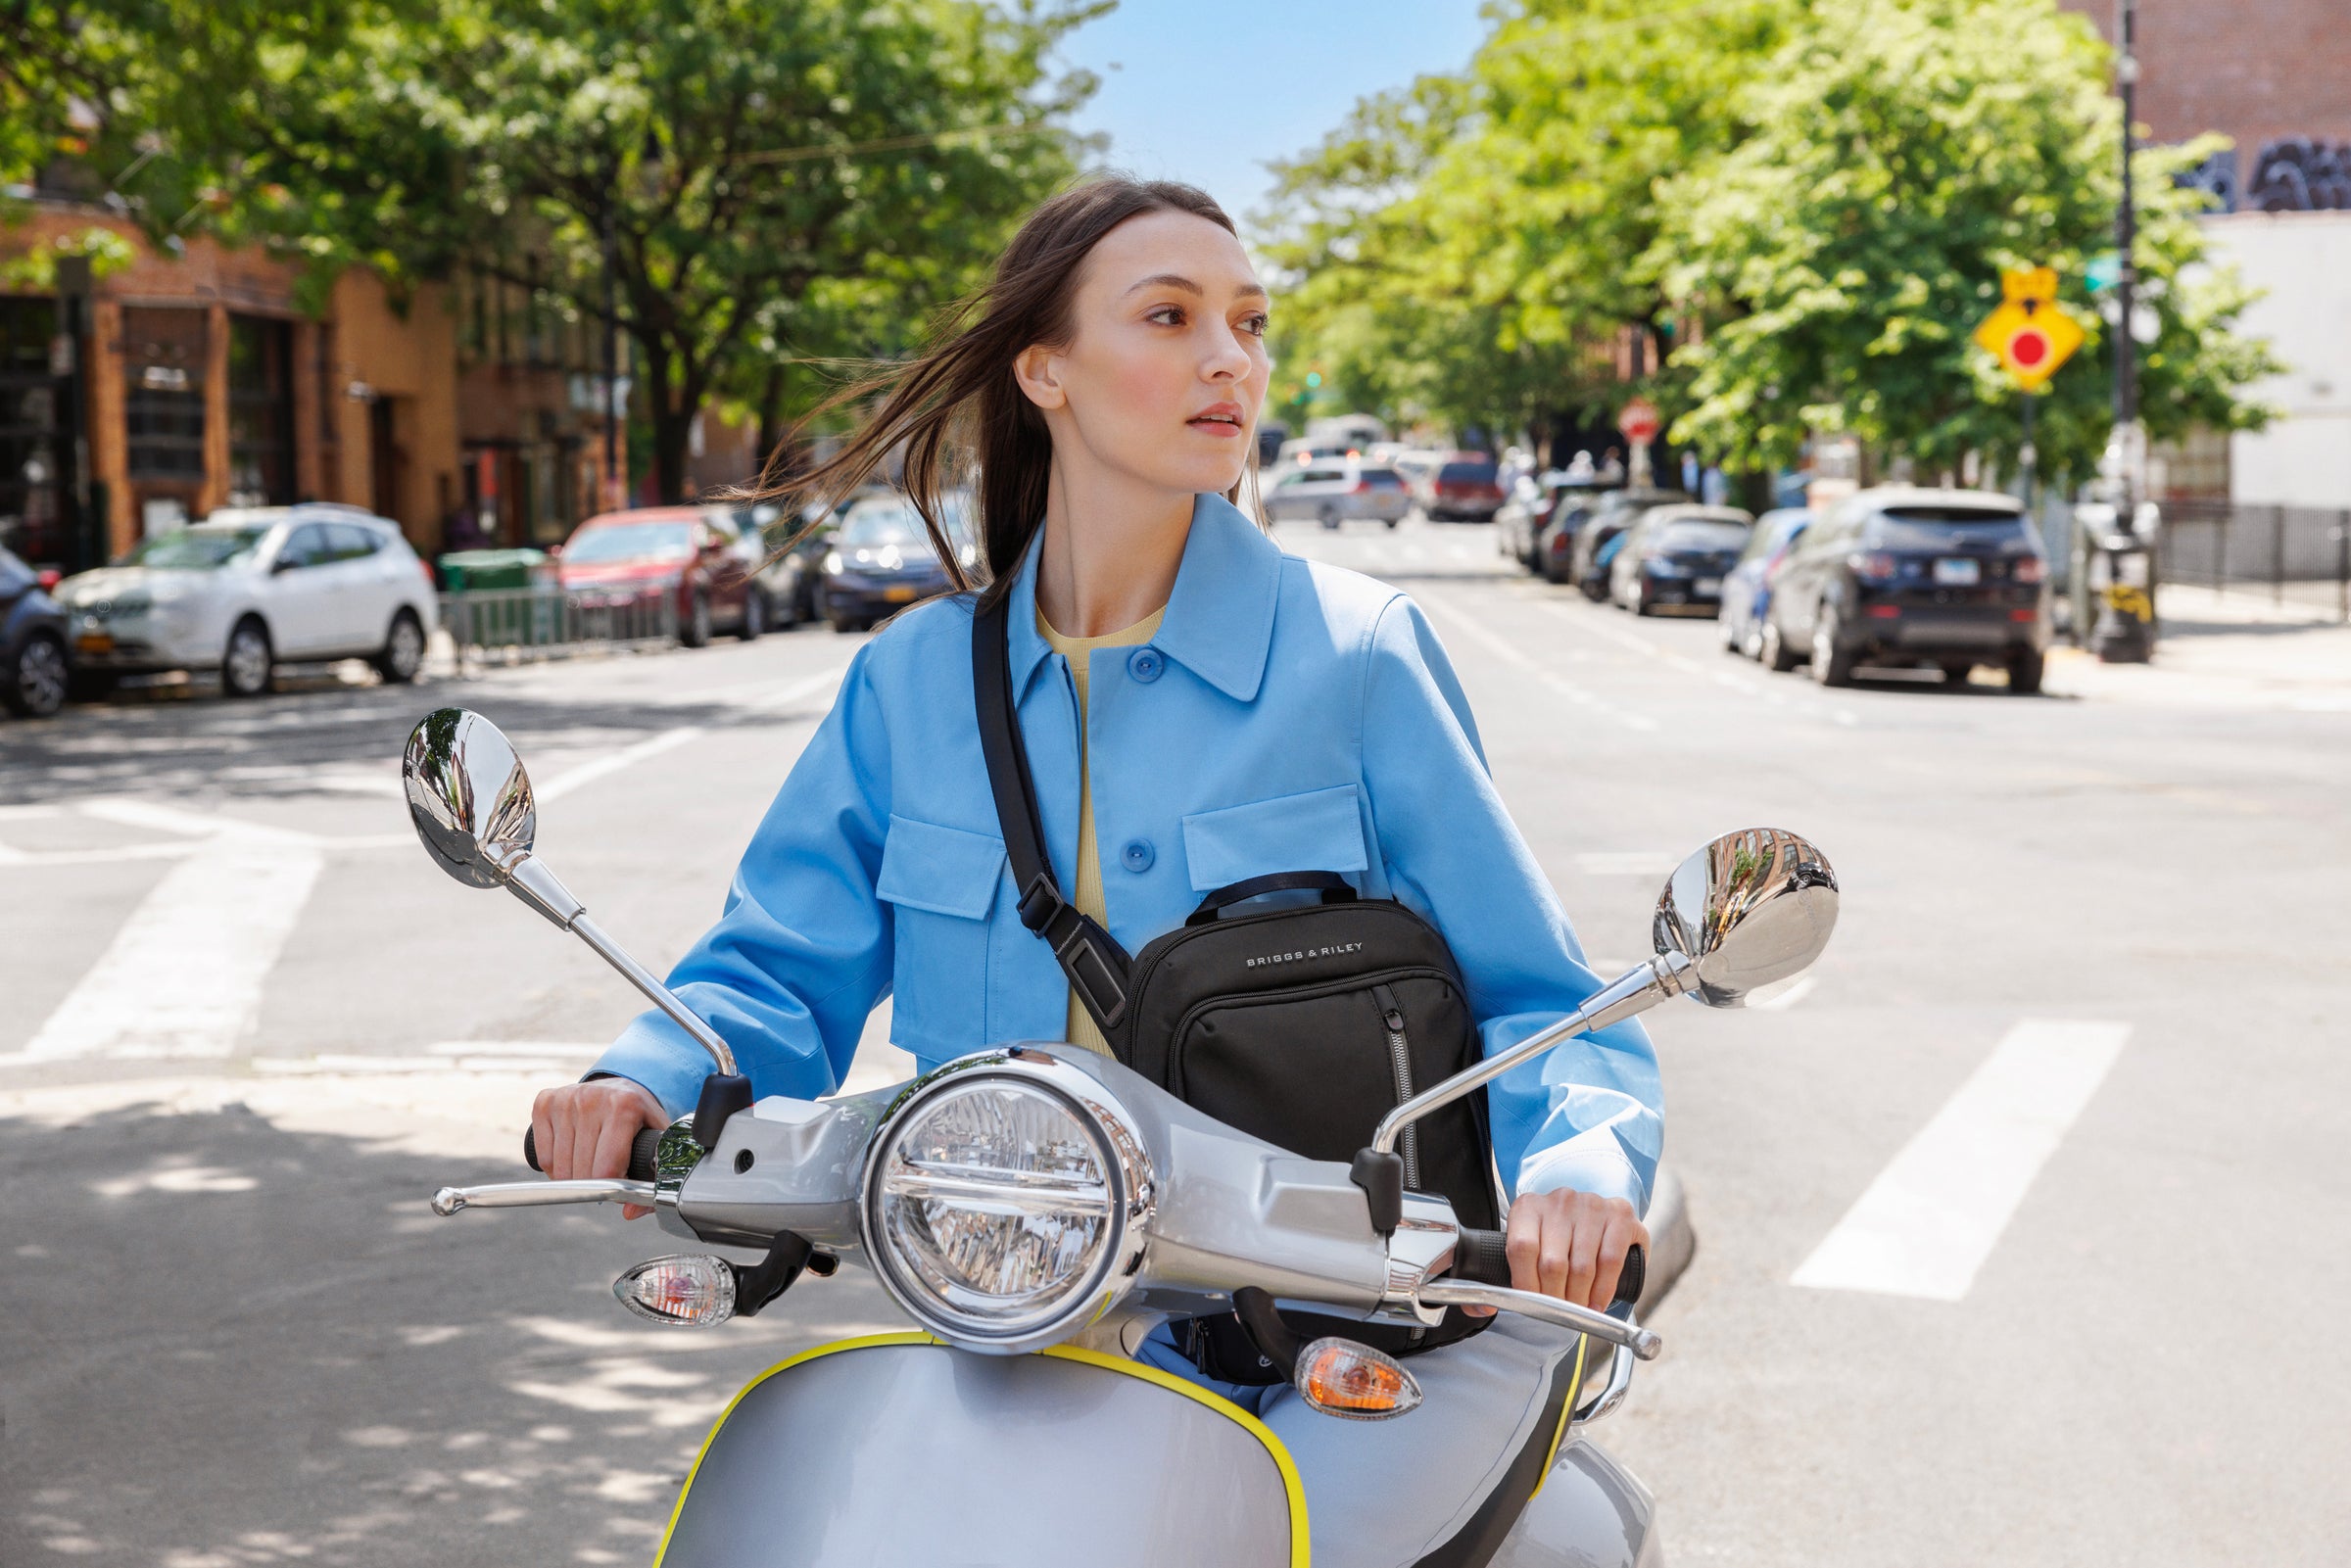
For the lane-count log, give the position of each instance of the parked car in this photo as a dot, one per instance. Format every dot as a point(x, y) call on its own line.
point(33, 671)
point(880, 559)
point(1586, 566)
point(620, 562)
point(249, 588)
point(1678, 555)
point(1333, 494)
point(1467, 486)
point(1897, 576)
point(782, 558)
point(1522, 521)
point(1747, 589)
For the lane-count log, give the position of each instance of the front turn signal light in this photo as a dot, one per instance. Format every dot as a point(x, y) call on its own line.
point(684, 1291)
point(1339, 1377)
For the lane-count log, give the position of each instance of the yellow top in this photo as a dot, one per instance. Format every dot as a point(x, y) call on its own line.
point(1078, 652)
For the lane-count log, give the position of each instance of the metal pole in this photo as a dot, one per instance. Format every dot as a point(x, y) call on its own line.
point(2342, 566)
point(85, 538)
point(611, 475)
point(2125, 284)
point(2027, 458)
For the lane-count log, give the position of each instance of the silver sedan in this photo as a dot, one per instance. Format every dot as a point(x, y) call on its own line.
point(1333, 494)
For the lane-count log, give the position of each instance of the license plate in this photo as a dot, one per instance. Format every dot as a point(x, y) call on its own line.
point(1709, 584)
point(898, 595)
point(1958, 573)
point(94, 643)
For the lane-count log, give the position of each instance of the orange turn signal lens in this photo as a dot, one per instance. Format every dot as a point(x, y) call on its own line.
point(1339, 1377)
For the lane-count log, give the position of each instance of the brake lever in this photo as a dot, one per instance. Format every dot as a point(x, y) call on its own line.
point(1642, 1342)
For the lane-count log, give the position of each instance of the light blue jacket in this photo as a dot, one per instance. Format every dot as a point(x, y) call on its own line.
point(1287, 716)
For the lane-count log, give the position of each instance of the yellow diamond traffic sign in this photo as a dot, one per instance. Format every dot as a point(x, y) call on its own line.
point(2028, 334)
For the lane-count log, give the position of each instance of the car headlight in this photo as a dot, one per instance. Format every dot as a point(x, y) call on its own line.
point(833, 563)
point(1004, 1202)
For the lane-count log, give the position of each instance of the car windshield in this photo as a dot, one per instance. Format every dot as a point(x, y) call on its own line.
point(194, 550)
point(1465, 474)
point(631, 541)
point(873, 526)
point(1702, 534)
point(1945, 527)
point(1318, 476)
point(1764, 541)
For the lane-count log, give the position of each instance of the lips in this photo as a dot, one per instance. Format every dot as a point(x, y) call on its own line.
point(1218, 419)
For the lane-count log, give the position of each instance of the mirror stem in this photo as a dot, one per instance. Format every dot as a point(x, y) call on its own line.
point(531, 881)
point(1637, 990)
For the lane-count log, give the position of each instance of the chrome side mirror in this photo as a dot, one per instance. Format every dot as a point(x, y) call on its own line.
point(468, 796)
point(1750, 913)
point(471, 803)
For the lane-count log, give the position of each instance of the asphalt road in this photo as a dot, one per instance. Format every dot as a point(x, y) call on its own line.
point(2052, 1137)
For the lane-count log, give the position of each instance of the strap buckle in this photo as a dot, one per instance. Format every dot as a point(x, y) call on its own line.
point(1040, 901)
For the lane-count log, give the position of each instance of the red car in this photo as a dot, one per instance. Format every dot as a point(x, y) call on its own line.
point(624, 564)
point(1465, 486)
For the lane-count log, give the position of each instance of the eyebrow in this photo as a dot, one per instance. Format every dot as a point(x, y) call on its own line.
point(1176, 280)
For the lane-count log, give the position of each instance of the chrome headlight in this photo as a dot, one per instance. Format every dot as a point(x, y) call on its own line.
point(1004, 1201)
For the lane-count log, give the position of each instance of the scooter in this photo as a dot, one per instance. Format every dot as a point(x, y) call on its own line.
point(1036, 1209)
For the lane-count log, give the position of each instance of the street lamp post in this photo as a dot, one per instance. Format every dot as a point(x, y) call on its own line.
point(609, 500)
point(2121, 551)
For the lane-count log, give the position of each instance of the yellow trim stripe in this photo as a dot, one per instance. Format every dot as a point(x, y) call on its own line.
point(1301, 1537)
point(1575, 1386)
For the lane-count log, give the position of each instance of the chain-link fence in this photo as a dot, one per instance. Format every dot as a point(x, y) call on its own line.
point(548, 622)
point(2293, 554)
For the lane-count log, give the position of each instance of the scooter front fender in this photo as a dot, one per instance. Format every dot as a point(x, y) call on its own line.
point(1590, 1514)
point(895, 1449)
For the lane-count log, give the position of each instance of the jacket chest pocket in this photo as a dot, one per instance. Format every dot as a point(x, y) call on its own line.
point(1315, 830)
point(941, 884)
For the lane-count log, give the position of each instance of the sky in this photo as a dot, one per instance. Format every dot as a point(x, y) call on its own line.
point(1206, 90)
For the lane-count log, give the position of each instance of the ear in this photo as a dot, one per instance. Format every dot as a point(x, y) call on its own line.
point(1038, 369)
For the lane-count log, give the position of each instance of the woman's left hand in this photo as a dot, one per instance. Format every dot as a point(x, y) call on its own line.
point(1571, 1245)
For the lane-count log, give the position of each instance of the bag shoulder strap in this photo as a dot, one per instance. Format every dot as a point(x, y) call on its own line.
point(1098, 968)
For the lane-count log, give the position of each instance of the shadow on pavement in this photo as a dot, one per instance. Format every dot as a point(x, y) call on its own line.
point(228, 1345)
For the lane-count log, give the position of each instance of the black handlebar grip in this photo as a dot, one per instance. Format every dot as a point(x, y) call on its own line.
point(1478, 1256)
point(642, 1149)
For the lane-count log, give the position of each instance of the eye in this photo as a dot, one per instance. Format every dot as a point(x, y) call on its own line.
point(1167, 316)
point(1254, 324)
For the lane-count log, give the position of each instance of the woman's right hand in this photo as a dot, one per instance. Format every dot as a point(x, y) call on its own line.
point(583, 1131)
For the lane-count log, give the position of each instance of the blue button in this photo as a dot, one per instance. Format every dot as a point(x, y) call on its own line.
point(1138, 855)
point(1144, 665)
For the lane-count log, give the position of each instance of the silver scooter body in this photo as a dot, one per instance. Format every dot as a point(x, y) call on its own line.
point(1039, 1440)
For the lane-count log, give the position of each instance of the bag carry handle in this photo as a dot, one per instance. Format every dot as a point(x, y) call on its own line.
point(1096, 965)
point(1334, 889)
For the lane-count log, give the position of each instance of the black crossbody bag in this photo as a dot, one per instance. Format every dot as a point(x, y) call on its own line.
point(1302, 1025)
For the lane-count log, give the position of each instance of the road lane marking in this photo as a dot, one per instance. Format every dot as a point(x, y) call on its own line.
point(603, 767)
point(1786, 998)
point(1932, 1217)
point(1517, 659)
point(183, 975)
point(1737, 681)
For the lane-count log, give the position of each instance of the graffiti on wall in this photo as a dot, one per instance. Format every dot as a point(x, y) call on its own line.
point(2301, 174)
point(2216, 177)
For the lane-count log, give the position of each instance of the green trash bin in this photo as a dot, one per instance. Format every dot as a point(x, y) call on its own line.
point(467, 571)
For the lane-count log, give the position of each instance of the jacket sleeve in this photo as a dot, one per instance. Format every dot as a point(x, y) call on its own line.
point(1589, 1114)
point(803, 951)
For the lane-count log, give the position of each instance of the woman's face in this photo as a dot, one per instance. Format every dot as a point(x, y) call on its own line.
point(1166, 365)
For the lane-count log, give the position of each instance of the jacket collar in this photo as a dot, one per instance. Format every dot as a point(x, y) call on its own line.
point(1220, 620)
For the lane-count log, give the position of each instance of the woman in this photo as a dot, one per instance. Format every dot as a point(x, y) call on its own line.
point(1198, 707)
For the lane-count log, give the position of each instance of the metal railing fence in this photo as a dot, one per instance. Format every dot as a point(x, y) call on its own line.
point(2296, 553)
point(549, 622)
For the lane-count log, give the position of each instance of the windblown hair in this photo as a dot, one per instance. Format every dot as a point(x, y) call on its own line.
point(956, 406)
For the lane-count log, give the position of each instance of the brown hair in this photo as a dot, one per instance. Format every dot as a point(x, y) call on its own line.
point(957, 406)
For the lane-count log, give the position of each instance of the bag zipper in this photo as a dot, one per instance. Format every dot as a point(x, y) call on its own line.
point(1400, 1057)
point(1178, 1040)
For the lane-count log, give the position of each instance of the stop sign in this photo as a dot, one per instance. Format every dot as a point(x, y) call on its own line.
point(1639, 421)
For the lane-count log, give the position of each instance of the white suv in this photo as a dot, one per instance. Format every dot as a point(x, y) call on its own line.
point(251, 588)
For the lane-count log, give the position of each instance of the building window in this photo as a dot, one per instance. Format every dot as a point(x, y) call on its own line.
point(162, 363)
point(29, 523)
point(260, 411)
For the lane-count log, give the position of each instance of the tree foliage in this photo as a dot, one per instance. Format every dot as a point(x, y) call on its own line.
point(1799, 208)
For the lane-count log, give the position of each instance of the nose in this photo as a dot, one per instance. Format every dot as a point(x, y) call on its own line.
point(1227, 357)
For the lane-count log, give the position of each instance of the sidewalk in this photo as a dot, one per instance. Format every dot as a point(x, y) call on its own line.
point(2224, 650)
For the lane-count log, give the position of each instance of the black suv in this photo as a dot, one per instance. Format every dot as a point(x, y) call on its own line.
point(1946, 579)
point(33, 643)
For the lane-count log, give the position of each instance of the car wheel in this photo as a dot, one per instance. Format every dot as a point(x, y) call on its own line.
point(696, 632)
point(755, 616)
point(36, 683)
point(2024, 674)
point(403, 657)
point(1751, 642)
point(1831, 666)
point(245, 663)
point(1638, 600)
point(1732, 642)
point(847, 623)
point(1327, 517)
point(1956, 674)
point(1595, 591)
point(1773, 649)
point(1393, 521)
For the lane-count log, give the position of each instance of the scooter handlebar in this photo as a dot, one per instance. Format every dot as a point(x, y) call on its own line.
point(643, 1151)
point(1479, 1258)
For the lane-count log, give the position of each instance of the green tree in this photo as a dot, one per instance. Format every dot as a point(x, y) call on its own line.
point(1900, 155)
